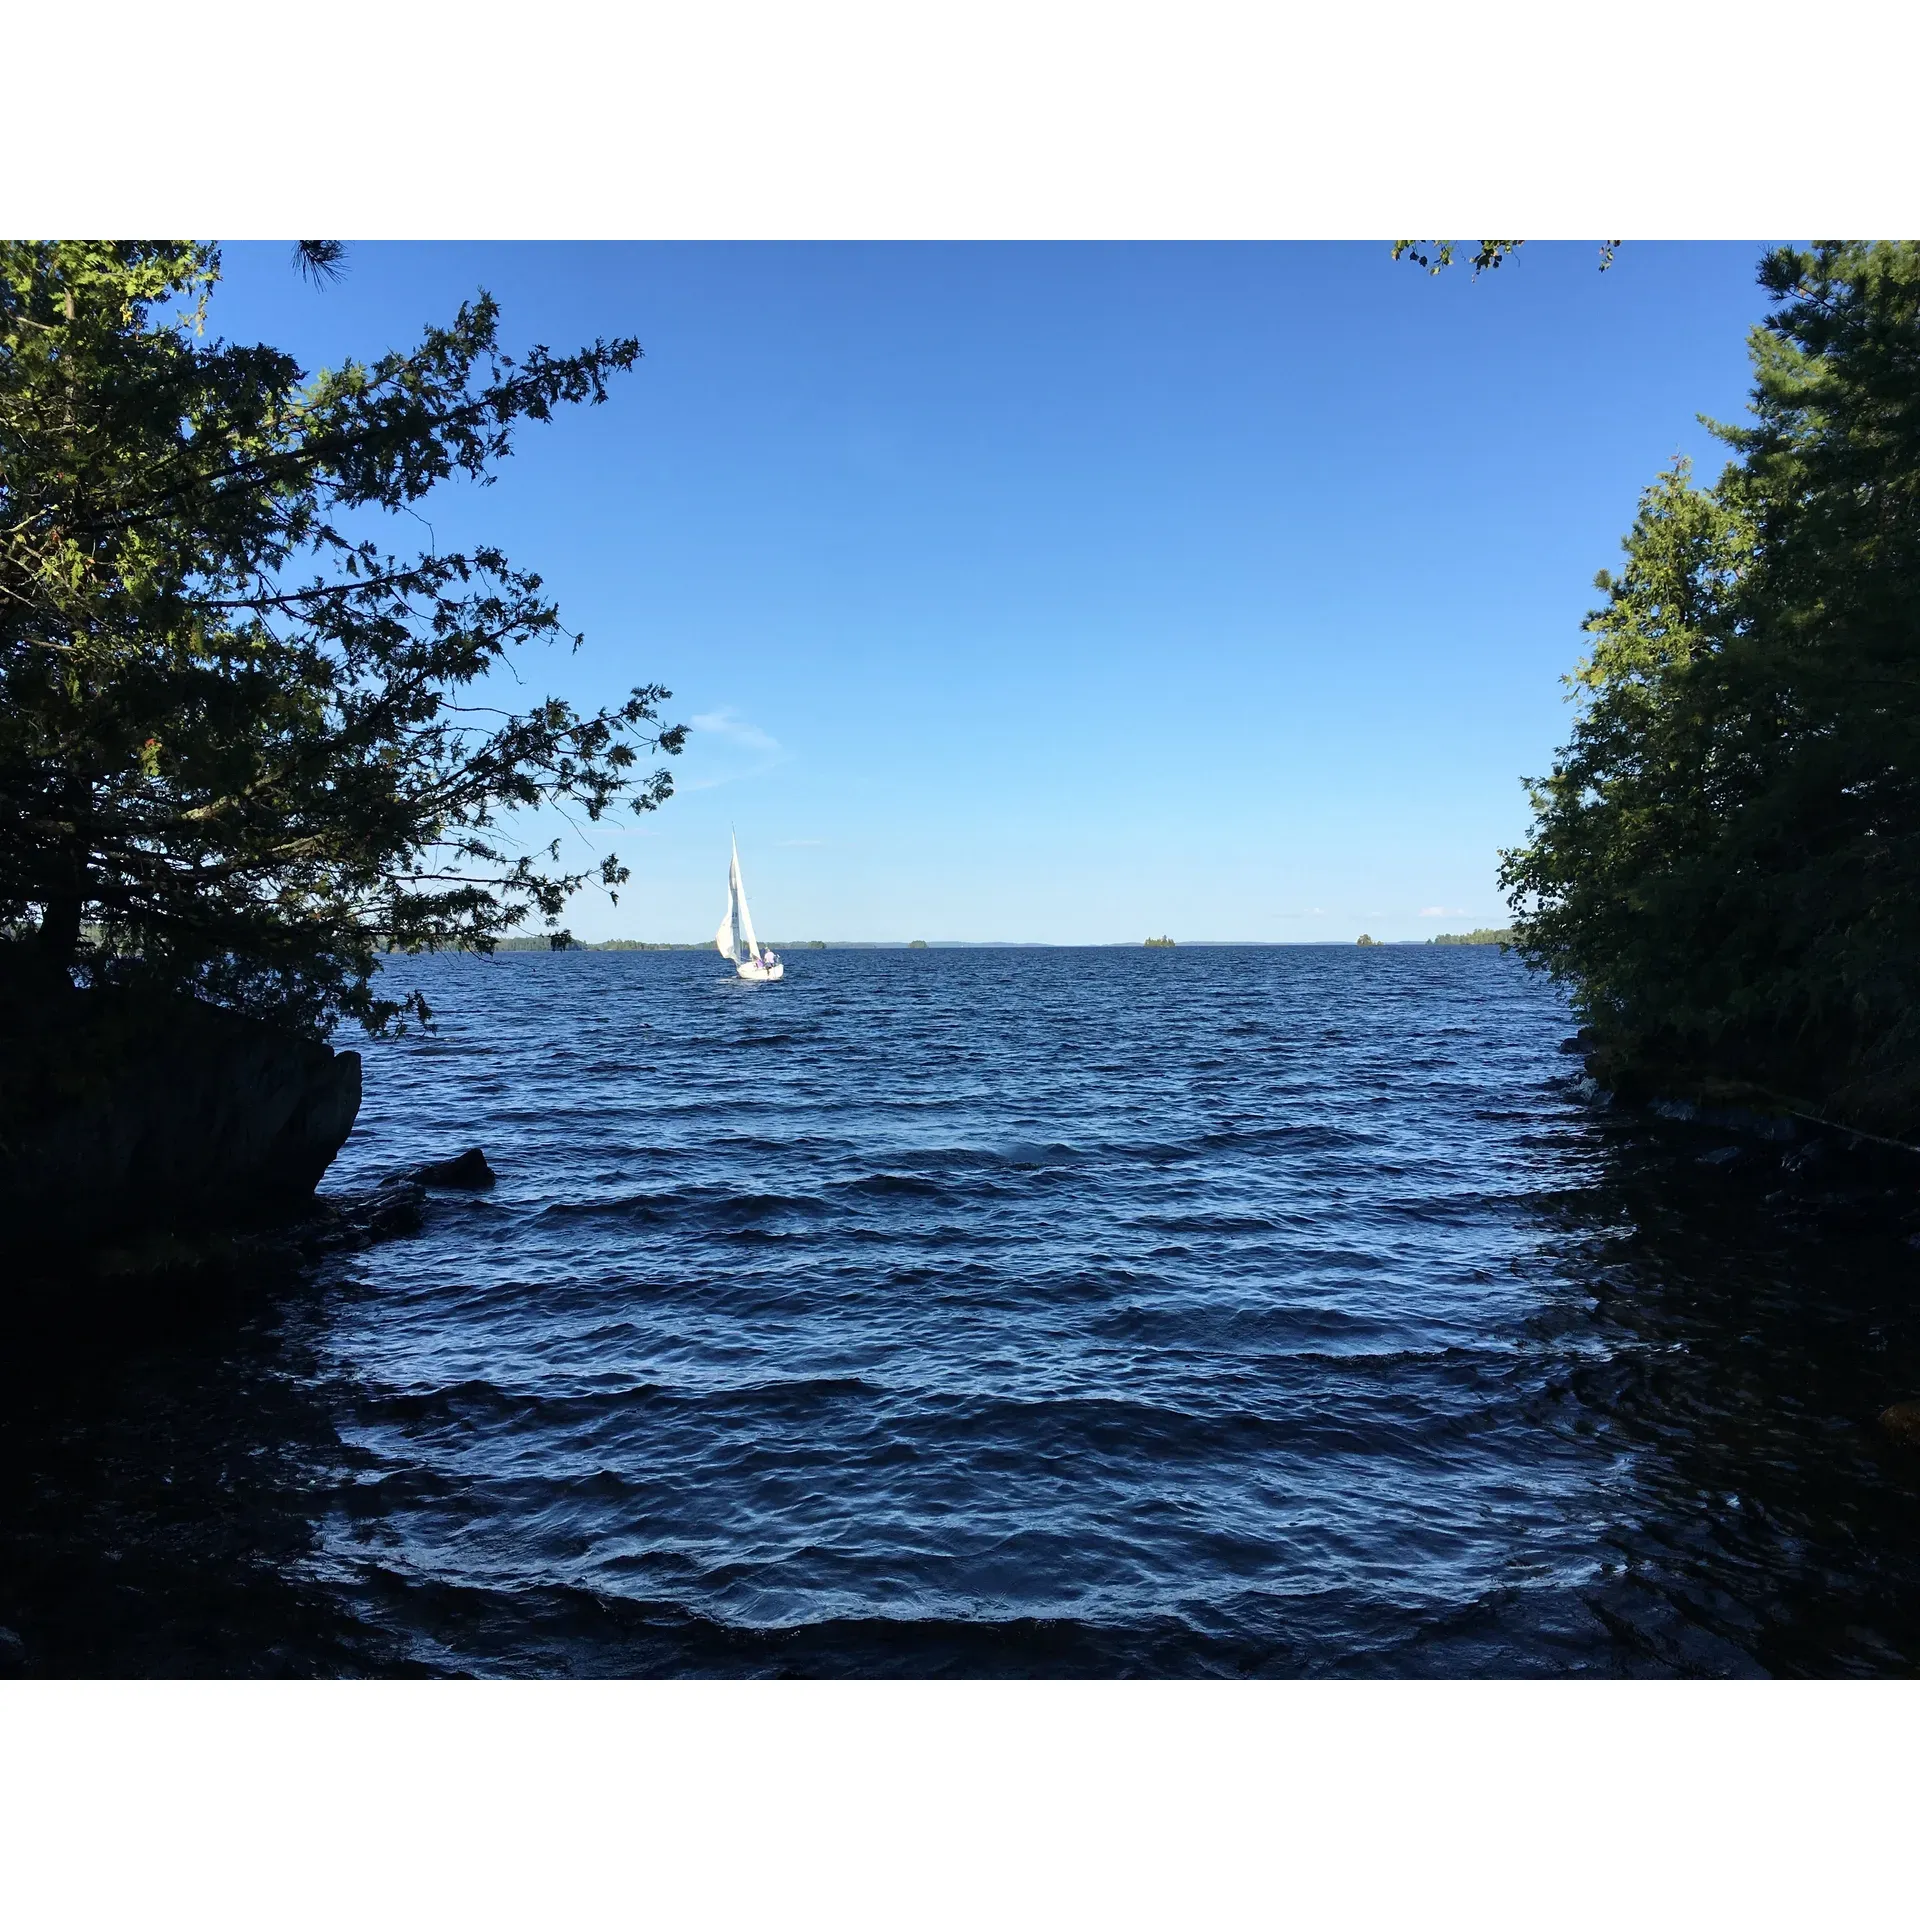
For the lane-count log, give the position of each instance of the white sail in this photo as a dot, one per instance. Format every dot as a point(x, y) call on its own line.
point(740, 913)
point(736, 940)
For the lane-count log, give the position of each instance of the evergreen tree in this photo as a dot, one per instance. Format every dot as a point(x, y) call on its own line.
point(1725, 859)
point(242, 746)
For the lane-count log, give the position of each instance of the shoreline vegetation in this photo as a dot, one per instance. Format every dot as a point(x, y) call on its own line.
point(1724, 861)
point(241, 754)
point(201, 643)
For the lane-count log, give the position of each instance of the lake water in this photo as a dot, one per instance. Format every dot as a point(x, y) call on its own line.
point(1269, 1311)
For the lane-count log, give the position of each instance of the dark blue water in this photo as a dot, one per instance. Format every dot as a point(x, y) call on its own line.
point(1266, 1311)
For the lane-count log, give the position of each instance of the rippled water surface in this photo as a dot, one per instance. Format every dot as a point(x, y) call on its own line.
point(1256, 1311)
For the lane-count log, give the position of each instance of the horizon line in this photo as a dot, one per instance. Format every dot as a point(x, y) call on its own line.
point(1126, 946)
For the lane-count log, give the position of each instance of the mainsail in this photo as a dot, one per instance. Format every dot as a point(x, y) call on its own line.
point(737, 907)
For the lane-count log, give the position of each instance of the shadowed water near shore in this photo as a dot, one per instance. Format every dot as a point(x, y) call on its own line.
point(1207, 1311)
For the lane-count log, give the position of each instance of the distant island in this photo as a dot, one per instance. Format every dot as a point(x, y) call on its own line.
point(1479, 937)
point(1161, 941)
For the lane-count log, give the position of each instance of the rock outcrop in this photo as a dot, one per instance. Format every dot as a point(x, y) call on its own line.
point(466, 1171)
point(121, 1117)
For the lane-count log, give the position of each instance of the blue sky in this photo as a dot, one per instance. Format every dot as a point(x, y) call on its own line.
point(1071, 593)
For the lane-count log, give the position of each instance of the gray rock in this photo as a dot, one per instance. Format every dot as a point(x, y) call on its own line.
point(393, 1216)
point(467, 1171)
point(119, 1117)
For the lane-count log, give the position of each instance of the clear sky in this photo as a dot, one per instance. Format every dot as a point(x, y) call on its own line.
point(1071, 593)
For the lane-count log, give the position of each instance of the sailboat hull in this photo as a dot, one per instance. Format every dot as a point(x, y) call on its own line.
point(751, 970)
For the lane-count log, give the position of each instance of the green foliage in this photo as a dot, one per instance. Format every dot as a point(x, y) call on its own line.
point(242, 746)
point(1479, 937)
point(320, 262)
point(1437, 255)
point(1367, 940)
point(1725, 859)
point(1161, 940)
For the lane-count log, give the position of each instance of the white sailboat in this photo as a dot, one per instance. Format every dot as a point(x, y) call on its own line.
point(735, 940)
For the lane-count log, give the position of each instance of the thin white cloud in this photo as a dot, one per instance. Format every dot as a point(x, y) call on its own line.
point(729, 726)
point(1443, 913)
point(729, 748)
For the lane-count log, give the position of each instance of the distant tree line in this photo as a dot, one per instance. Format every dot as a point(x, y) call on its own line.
point(564, 942)
point(1724, 862)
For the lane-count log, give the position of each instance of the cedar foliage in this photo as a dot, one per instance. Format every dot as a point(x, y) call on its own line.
point(1725, 859)
point(243, 747)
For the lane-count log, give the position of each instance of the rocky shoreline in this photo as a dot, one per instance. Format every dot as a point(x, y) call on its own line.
point(1805, 1146)
point(122, 1117)
point(172, 1257)
point(146, 1141)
